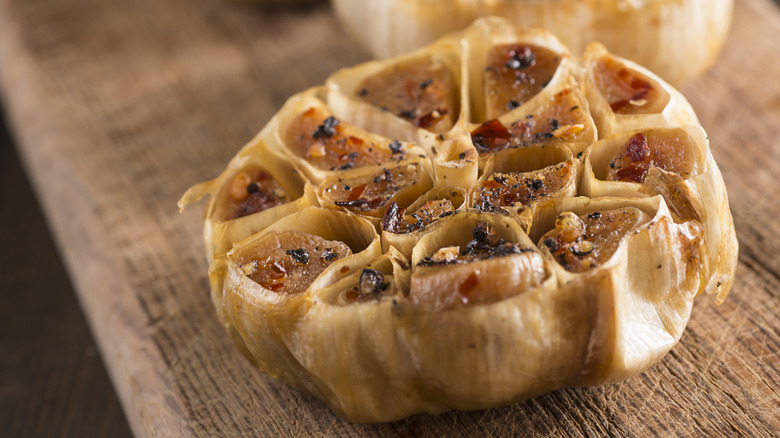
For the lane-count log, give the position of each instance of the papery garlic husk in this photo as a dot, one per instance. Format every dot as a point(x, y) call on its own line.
point(678, 39)
point(256, 317)
point(699, 196)
point(220, 230)
point(345, 377)
point(457, 162)
point(650, 280)
point(589, 282)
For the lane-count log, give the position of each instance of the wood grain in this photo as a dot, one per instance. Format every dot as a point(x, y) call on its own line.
point(120, 106)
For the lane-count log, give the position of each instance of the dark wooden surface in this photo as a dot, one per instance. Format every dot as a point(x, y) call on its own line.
point(119, 106)
point(53, 382)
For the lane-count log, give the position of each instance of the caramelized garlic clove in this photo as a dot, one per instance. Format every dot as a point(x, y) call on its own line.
point(488, 258)
point(402, 227)
point(304, 249)
point(321, 144)
point(559, 116)
point(696, 192)
point(515, 73)
point(515, 180)
point(507, 67)
point(371, 192)
point(421, 91)
point(580, 243)
point(414, 98)
point(617, 165)
point(649, 280)
point(625, 96)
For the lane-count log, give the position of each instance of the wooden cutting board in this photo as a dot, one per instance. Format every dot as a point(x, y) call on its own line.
point(119, 106)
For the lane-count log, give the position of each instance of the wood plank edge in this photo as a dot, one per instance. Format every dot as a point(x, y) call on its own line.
point(115, 318)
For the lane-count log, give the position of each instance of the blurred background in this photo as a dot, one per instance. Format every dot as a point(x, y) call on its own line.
point(54, 382)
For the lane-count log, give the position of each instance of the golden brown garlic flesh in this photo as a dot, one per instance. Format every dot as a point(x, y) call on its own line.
point(420, 91)
point(250, 194)
point(521, 188)
point(514, 74)
point(561, 120)
point(328, 144)
point(670, 150)
point(628, 92)
point(487, 269)
point(372, 193)
point(585, 242)
point(396, 220)
point(288, 262)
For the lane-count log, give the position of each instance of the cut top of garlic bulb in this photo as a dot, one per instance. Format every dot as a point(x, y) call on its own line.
point(474, 223)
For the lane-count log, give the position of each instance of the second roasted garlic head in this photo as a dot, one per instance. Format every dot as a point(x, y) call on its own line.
point(678, 39)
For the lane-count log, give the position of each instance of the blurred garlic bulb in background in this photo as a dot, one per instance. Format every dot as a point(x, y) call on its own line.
point(677, 39)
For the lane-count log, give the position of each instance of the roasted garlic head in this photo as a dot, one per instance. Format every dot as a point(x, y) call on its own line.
point(677, 39)
point(478, 222)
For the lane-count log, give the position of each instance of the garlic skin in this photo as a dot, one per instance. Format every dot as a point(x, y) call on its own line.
point(701, 197)
point(677, 39)
point(474, 307)
point(262, 152)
